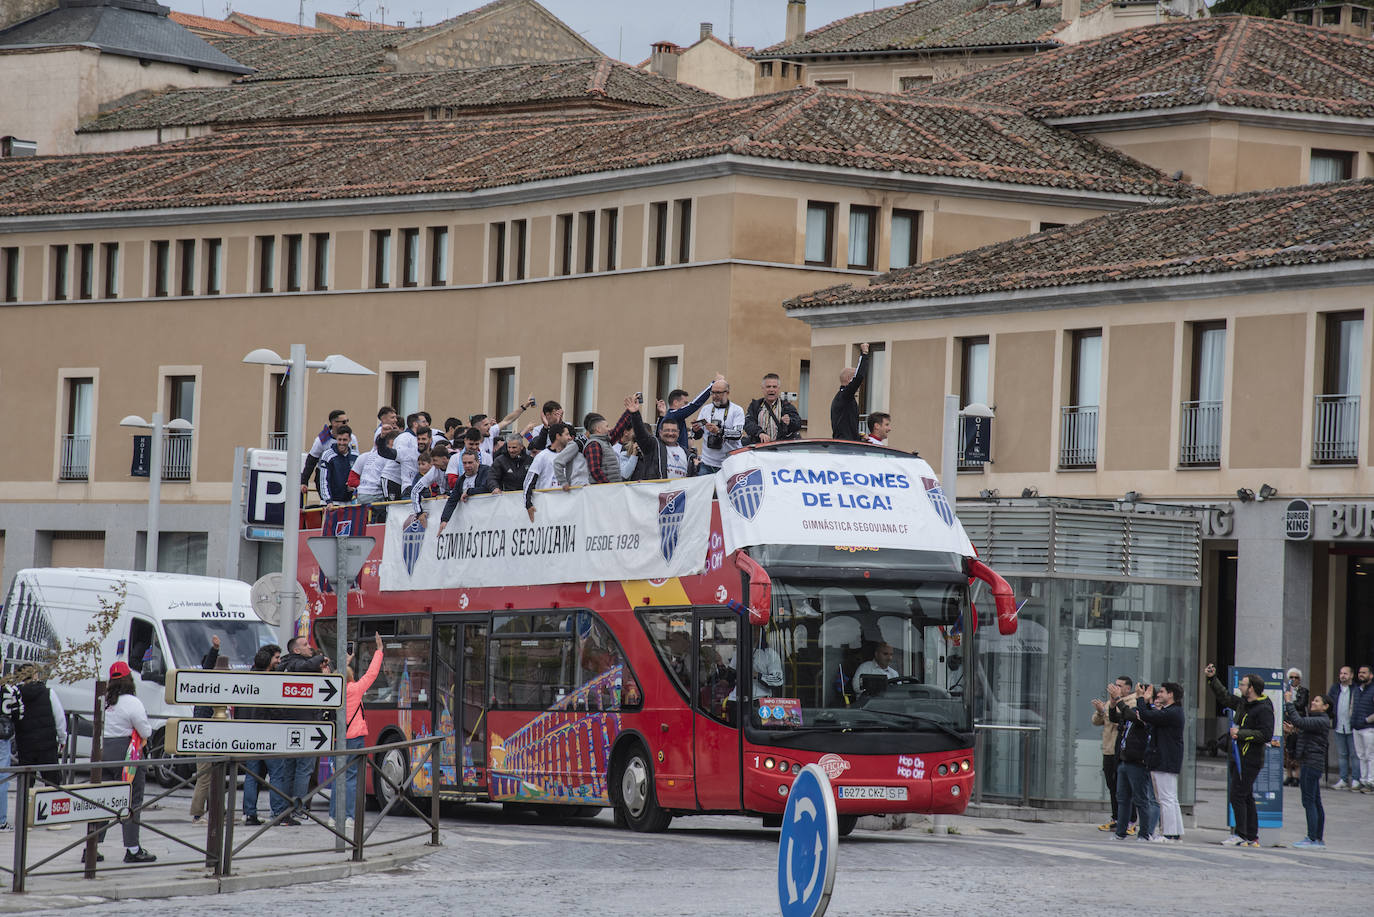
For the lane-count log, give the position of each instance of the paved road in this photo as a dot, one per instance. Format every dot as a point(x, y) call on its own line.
point(494, 865)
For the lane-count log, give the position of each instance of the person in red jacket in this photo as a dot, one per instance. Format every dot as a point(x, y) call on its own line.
point(355, 735)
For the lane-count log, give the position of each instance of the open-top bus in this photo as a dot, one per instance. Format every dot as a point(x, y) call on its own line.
point(678, 647)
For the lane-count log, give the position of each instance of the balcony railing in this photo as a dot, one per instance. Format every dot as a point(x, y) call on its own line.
point(1336, 430)
point(76, 457)
point(176, 457)
point(276, 441)
point(1200, 438)
point(1078, 436)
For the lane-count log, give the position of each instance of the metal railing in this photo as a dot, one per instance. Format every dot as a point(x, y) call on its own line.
point(1336, 429)
point(980, 733)
point(76, 457)
point(276, 441)
point(1078, 436)
point(1199, 440)
point(176, 457)
point(219, 850)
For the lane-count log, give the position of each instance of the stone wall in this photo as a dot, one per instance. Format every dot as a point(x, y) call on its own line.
point(510, 35)
point(16, 11)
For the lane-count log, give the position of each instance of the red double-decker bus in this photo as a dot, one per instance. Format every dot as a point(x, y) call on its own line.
point(679, 647)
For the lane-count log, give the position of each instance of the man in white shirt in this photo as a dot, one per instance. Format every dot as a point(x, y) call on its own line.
point(491, 429)
point(433, 477)
point(409, 445)
point(879, 427)
point(542, 475)
point(367, 470)
point(723, 421)
point(880, 664)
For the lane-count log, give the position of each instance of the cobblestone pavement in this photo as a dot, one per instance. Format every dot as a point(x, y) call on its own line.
point(496, 864)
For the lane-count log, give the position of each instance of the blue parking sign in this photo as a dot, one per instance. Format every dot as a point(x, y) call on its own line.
point(808, 846)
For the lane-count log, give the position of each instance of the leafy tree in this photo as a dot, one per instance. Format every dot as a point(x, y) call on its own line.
point(1269, 9)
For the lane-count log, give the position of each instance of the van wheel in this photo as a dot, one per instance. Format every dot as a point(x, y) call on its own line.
point(633, 789)
point(167, 775)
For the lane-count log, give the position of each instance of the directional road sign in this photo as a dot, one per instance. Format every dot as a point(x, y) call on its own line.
point(254, 689)
point(265, 737)
point(80, 802)
point(808, 845)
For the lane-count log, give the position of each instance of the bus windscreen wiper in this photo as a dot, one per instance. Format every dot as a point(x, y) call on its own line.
point(921, 718)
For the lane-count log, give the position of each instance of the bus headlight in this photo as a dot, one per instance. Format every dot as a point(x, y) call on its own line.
point(964, 765)
point(942, 770)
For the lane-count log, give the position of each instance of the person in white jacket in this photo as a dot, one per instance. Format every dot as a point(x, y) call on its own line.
point(125, 717)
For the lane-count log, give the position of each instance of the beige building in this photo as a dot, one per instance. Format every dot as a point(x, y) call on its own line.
point(710, 64)
point(1200, 99)
point(1213, 353)
point(1350, 18)
point(581, 258)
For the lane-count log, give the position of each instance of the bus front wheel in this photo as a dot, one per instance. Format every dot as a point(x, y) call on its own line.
point(395, 765)
point(635, 801)
point(846, 824)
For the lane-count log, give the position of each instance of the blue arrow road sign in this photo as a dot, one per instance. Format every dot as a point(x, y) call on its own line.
point(808, 846)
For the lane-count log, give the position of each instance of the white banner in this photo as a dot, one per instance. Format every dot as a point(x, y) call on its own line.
point(650, 530)
point(878, 501)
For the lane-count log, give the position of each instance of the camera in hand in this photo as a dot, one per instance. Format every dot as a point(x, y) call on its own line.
point(715, 440)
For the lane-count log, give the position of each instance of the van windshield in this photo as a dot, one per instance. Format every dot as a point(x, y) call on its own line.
point(238, 641)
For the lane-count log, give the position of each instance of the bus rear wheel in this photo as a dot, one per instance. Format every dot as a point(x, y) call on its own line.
point(635, 801)
point(395, 765)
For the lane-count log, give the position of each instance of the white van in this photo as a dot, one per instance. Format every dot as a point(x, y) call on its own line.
point(167, 621)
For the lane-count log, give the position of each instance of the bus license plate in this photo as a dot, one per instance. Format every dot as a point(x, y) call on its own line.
point(873, 792)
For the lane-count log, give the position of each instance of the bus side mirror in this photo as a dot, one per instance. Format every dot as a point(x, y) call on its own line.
point(1002, 595)
point(760, 589)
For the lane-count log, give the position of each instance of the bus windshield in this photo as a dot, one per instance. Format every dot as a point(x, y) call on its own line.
point(881, 656)
point(238, 641)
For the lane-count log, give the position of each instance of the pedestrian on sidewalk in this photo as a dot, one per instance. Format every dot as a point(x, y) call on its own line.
point(1164, 757)
point(1341, 696)
point(1252, 730)
point(256, 772)
point(11, 709)
point(1133, 789)
point(204, 771)
point(41, 730)
point(1311, 732)
point(1291, 761)
point(125, 717)
point(1362, 724)
point(355, 733)
point(1110, 730)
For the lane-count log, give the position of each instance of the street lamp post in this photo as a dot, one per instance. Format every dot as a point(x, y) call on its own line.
point(295, 431)
point(154, 475)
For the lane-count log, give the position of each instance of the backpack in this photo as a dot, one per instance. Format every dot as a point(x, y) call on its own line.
point(11, 708)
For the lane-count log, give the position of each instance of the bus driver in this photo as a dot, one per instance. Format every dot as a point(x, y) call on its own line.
point(880, 664)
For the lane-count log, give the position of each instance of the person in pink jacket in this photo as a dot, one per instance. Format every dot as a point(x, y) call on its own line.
point(356, 734)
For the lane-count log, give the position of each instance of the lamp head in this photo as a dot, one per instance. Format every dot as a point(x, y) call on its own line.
point(266, 357)
point(133, 420)
point(977, 409)
point(179, 424)
point(1266, 493)
point(1245, 495)
point(339, 364)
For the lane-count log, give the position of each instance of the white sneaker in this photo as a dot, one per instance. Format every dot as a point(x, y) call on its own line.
point(1340, 785)
point(1232, 841)
point(1158, 839)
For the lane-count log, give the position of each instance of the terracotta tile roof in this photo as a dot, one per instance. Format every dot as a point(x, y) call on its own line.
point(350, 24)
point(1240, 61)
point(275, 26)
point(455, 91)
point(1310, 224)
point(321, 54)
point(206, 24)
point(928, 25)
point(865, 131)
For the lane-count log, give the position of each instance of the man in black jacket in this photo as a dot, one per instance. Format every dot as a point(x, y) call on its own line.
point(844, 410)
point(296, 778)
point(1133, 789)
point(1164, 756)
point(663, 455)
point(474, 481)
point(258, 772)
point(511, 464)
point(1252, 730)
point(771, 418)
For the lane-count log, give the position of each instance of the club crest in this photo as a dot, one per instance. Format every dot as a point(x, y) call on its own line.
point(412, 539)
point(938, 500)
point(672, 505)
point(745, 491)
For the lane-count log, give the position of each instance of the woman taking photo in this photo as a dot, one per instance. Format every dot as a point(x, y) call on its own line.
point(125, 716)
point(356, 733)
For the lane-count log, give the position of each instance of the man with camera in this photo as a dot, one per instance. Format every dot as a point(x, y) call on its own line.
point(723, 424)
point(772, 417)
point(1252, 729)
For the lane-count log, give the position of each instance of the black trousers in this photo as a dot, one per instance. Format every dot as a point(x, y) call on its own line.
point(1109, 775)
point(1243, 799)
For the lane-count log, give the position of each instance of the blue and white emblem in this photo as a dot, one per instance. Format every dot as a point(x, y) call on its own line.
point(343, 527)
point(671, 508)
point(745, 491)
point(412, 539)
point(938, 501)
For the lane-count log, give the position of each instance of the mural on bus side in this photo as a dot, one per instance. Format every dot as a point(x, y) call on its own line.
point(448, 754)
point(563, 754)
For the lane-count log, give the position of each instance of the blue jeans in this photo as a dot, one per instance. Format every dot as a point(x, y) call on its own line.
point(281, 784)
point(5, 759)
point(351, 775)
point(253, 772)
point(1345, 750)
point(1310, 782)
point(298, 771)
point(1133, 790)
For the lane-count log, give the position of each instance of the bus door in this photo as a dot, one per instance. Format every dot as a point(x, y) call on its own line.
point(471, 722)
point(715, 698)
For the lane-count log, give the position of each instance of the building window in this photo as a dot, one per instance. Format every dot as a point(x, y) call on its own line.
point(110, 254)
point(176, 453)
point(267, 263)
point(820, 233)
point(276, 437)
point(1358, 16)
point(320, 243)
point(294, 267)
point(587, 225)
point(85, 271)
point(405, 392)
point(863, 225)
point(565, 244)
point(186, 255)
point(162, 268)
point(1331, 15)
point(182, 552)
point(658, 232)
point(1332, 165)
point(214, 266)
point(905, 246)
point(766, 68)
point(872, 395)
point(1336, 420)
point(438, 256)
point(974, 366)
point(665, 375)
point(610, 225)
point(582, 386)
point(9, 263)
point(520, 235)
point(76, 439)
point(381, 258)
point(833, 84)
point(1200, 427)
point(498, 252)
point(804, 390)
point(1078, 419)
point(410, 257)
point(61, 256)
point(1303, 16)
point(684, 231)
point(909, 83)
point(503, 386)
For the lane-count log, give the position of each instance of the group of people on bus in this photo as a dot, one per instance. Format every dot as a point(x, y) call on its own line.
point(414, 460)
